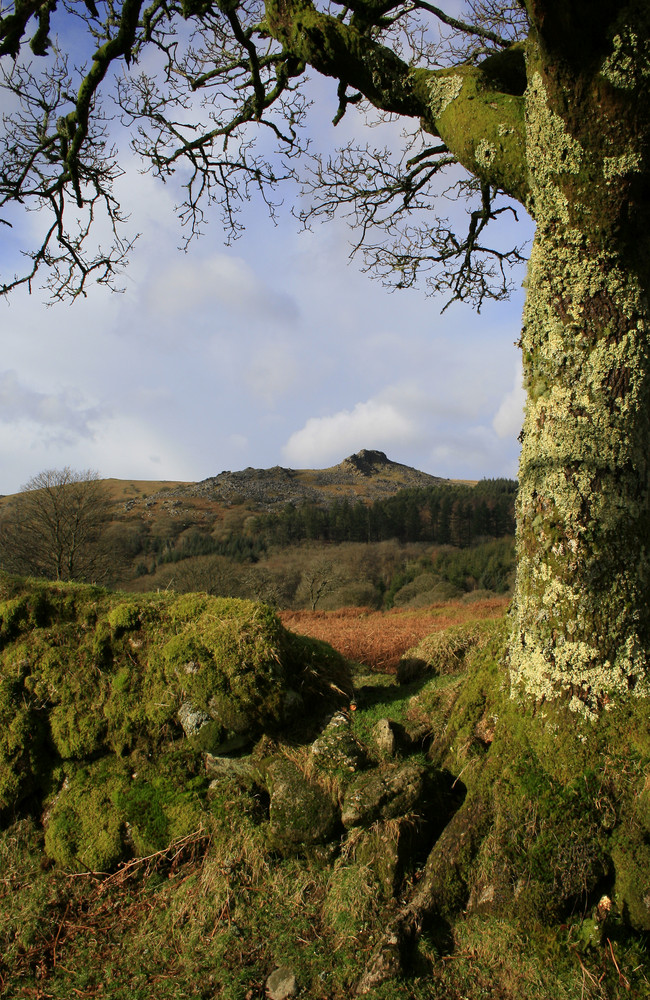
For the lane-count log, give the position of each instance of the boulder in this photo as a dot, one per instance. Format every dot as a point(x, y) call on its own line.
point(336, 749)
point(385, 794)
point(301, 812)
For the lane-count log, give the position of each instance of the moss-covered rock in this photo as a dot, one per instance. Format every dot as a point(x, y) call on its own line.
point(395, 790)
point(84, 828)
point(113, 808)
point(336, 750)
point(238, 863)
point(92, 681)
point(302, 811)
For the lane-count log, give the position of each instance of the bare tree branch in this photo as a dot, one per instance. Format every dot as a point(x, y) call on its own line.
point(221, 106)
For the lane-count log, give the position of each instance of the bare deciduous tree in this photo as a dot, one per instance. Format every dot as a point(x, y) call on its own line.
point(55, 527)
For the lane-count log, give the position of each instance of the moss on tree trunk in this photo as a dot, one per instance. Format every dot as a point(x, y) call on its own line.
point(581, 618)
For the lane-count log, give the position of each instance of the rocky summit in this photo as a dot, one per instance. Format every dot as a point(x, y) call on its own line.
point(365, 475)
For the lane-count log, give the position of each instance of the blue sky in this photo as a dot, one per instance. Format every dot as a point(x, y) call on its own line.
point(276, 350)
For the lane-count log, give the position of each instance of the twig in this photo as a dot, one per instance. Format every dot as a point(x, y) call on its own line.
point(58, 934)
point(585, 970)
point(621, 977)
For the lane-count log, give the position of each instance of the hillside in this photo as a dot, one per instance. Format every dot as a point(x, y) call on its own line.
point(275, 533)
point(367, 476)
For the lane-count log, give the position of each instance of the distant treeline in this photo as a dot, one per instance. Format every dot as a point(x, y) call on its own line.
point(194, 542)
point(446, 515)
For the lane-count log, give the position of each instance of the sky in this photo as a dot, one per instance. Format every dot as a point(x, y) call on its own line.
point(276, 350)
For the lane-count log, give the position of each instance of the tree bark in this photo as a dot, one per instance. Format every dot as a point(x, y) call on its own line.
point(581, 616)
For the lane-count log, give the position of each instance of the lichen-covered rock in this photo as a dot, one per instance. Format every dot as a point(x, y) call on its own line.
point(301, 811)
point(192, 719)
point(336, 749)
point(384, 737)
point(281, 984)
point(386, 794)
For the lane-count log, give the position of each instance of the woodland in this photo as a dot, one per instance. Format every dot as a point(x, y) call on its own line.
point(439, 541)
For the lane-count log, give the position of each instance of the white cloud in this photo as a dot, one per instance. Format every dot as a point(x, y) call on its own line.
point(373, 424)
point(189, 284)
point(58, 416)
point(509, 417)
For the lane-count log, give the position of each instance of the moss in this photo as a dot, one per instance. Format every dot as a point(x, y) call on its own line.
point(164, 801)
point(123, 618)
point(581, 624)
point(76, 735)
point(482, 126)
point(549, 842)
point(85, 829)
point(567, 800)
point(551, 821)
point(13, 614)
point(103, 674)
point(110, 809)
point(631, 858)
point(463, 711)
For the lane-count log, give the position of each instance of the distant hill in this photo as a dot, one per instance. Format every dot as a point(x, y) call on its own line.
point(236, 533)
point(368, 475)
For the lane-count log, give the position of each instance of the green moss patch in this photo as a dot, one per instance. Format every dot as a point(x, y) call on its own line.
point(87, 675)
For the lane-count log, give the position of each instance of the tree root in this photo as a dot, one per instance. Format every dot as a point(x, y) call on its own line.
point(442, 890)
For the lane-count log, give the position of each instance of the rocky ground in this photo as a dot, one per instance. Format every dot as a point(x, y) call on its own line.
point(368, 474)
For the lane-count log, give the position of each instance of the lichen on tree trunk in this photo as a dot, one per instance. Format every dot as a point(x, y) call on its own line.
point(581, 616)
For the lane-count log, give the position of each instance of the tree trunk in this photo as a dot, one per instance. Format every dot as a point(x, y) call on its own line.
point(581, 614)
